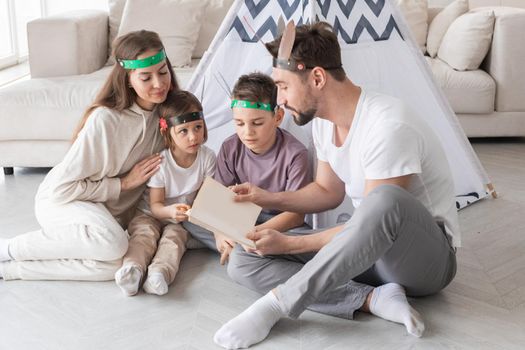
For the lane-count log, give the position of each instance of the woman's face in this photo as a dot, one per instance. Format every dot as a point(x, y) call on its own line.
point(151, 84)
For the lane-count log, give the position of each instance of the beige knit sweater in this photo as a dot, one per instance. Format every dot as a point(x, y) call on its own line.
point(106, 149)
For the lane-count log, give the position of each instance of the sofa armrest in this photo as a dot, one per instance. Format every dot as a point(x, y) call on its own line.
point(504, 61)
point(71, 43)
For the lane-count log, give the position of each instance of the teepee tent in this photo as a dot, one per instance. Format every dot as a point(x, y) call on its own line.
point(378, 53)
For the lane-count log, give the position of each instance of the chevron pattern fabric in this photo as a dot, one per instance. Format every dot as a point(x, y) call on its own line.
point(353, 20)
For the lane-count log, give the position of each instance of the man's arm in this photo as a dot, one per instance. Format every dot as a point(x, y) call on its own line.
point(326, 192)
point(274, 242)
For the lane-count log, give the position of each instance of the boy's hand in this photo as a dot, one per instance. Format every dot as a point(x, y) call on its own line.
point(224, 246)
point(178, 211)
point(247, 192)
point(268, 241)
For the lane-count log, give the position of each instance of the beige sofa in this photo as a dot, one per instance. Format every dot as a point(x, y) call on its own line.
point(37, 116)
point(490, 101)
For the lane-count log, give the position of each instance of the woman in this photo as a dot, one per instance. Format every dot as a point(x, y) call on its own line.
point(85, 202)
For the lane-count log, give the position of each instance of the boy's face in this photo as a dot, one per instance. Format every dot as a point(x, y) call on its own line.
point(256, 128)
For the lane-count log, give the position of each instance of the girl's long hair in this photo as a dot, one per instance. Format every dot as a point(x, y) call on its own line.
point(116, 93)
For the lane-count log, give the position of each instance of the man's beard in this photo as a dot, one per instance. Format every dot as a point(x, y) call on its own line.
point(302, 118)
point(305, 117)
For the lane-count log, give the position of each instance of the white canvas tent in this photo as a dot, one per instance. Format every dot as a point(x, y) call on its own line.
point(378, 53)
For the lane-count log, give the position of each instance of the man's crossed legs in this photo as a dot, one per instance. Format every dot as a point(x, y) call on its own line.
point(391, 241)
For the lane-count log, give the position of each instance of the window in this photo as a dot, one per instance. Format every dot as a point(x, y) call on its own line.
point(7, 50)
point(15, 14)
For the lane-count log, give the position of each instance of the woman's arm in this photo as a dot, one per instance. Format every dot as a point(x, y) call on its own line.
point(86, 171)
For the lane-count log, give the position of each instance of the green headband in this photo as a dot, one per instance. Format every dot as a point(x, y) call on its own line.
point(250, 104)
point(144, 62)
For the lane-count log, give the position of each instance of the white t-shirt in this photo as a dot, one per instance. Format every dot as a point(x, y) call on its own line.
point(180, 184)
point(388, 140)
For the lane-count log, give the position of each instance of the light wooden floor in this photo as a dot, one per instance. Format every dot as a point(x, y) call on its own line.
point(484, 307)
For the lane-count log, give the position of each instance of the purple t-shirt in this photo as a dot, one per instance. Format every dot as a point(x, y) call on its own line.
point(284, 167)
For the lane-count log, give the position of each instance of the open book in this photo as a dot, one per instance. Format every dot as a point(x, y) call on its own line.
point(215, 210)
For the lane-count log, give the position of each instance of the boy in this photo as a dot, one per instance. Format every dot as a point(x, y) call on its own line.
point(260, 152)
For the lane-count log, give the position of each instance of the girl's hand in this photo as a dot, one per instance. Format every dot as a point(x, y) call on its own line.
point(178, 211)
point(141, 172)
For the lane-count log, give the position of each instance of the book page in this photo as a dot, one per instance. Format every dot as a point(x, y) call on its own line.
point(215, 210)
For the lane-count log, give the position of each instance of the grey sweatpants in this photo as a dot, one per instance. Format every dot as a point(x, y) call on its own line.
point(391, 237)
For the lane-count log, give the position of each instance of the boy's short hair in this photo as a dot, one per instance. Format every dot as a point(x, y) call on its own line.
point(177, 103)
point(256, 87)
point(315, 45)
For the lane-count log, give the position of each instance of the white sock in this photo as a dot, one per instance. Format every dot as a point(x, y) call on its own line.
point(390, 302)
point(128, 279)
point(155, 284)
point(4, 250)
point(252, 325)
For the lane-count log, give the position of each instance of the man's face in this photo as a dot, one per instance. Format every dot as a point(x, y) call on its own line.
point(295, 94)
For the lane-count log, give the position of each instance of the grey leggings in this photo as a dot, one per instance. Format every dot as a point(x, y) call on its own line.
point(391, 237)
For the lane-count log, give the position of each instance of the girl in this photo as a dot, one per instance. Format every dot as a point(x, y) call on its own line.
point(171, 191)
point(84, 203)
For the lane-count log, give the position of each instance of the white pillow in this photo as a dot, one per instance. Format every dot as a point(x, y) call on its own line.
point(116, 7)
point(467, 40)
point(214, 14)
point(439, 25)
point(178, 23)
point(416, 16)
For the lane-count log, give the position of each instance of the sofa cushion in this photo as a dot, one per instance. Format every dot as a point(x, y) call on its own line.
point(416, 14)
point(116, 8)
point(49, 109)
point(439, 25)
point(214, 14)
point(467, 40)
point(177, 22)
point(469, 91)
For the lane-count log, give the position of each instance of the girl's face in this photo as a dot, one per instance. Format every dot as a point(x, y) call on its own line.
point(152, 83)
point(188, 137)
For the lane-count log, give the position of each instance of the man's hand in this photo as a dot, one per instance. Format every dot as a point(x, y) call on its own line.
point(224, 246)
point(141, 172)
point(178, 211)
point(269, 242)
point(247, 192)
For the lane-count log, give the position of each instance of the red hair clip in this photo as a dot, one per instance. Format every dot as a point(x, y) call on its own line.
point(163, 124)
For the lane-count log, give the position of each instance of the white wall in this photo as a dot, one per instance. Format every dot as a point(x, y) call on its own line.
point(479, 3)
point(438, 3)
point(57, 6)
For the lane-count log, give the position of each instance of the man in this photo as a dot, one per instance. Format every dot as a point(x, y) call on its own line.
point(403, 233)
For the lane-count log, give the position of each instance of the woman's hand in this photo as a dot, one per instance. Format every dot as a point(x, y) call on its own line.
point(224, 246)
point(178, 211)
point(141, 172)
